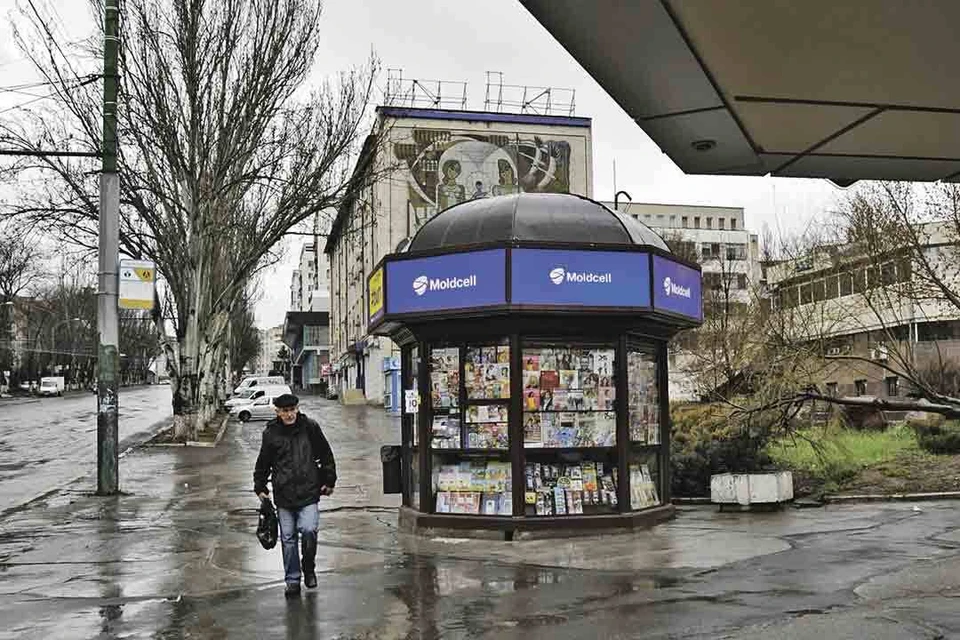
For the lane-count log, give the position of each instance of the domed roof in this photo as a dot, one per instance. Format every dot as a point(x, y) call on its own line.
point(541, 217)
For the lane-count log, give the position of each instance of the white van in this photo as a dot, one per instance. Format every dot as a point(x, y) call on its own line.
point(253, 393)
point(251, 382)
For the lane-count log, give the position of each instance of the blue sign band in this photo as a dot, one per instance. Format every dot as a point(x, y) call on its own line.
point(453, 281)
point(557, 277)
point(676, 288)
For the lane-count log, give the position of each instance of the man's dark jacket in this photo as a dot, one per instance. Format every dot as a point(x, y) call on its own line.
point(297, 459)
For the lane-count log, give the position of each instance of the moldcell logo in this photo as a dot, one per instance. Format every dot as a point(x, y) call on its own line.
point(559, 275)
point(671, 288)
point(422, 283)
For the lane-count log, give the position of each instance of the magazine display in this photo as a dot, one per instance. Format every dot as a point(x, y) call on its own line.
point(487, 426)
point(643, 490)
point(445, 398)
point(445, 378)
point(486, 372)
point(476, 488)
point(643, 399)
point(568, 489)
point(569, 397)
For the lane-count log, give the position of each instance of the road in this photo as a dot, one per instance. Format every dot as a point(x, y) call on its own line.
point(49, 442)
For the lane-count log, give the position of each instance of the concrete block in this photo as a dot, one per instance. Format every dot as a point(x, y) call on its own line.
point(751, 488)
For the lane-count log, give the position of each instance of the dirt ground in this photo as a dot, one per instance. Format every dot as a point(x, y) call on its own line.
point(908, 473)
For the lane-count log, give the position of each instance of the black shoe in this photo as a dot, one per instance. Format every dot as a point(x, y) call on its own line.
point(292, 590)
point(310, 580)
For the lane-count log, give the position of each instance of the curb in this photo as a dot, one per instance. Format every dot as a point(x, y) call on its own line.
point(191, 443)
point(893, 497)
point(216, 441)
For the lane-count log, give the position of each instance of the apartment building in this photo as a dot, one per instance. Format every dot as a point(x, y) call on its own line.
point(428, 160)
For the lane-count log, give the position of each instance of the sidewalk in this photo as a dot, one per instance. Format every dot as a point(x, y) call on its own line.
point(176, 556)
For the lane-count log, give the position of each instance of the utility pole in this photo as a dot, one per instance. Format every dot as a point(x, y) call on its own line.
point(108, 363)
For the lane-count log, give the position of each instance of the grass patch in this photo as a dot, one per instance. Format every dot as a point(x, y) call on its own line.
point(832, 455)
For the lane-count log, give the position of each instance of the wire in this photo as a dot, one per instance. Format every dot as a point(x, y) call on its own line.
point(69, 87)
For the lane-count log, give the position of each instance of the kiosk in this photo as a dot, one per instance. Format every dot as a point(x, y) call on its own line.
point(533, 332)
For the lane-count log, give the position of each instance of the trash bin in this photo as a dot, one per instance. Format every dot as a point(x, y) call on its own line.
point(390, 457)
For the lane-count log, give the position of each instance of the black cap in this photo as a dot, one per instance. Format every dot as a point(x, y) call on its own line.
point(286, 401)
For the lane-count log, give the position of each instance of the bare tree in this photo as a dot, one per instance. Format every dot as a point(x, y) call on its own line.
point(222, 152)
point(890, 265)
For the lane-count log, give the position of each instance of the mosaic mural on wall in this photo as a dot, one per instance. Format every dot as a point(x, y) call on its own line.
point(448, 167)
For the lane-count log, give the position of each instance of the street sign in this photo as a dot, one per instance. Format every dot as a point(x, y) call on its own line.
point(137, 281)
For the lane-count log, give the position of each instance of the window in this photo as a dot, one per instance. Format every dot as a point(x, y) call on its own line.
point(832, 285)
point(741, 281)
point(832, 389)
point(806, 293)
point(859, 282)
point(712, 281)
point(888, 273)
point(720, 222)
point(673, 221)
point(791, 297)
point(709, 223)
point(684, 221)
point(696, 222)
point(861, 386)
point(733, 224)
point(846, 284)
point(736, 252)
point(706, 251)
point(893, 386)
point(819, 291)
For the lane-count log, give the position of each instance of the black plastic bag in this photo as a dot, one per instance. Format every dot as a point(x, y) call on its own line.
point(268, 527)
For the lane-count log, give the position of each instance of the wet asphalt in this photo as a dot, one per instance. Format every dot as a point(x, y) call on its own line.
point(48, 442)
point(176, 557)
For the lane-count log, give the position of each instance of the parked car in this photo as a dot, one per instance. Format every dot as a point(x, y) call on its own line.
point(259, 409)
point(259, 381)
point(249, 395)
point(51, 386)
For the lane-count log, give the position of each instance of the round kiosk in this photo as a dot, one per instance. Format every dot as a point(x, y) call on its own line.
point(534, 331)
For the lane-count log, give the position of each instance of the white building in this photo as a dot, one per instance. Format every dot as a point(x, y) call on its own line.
point(270, 342)
point(874, 307)
point(717, 236)
point(433, 159)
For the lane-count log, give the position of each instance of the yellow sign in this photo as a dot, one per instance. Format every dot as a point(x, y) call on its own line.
point(137, 279)
point(375, 294)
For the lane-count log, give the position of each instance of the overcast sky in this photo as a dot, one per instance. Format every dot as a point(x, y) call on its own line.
point(440, 40)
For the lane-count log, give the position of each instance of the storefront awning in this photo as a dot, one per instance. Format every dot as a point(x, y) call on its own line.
point(839, 90)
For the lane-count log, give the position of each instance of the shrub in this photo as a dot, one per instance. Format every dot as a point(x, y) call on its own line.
point(937, 436)
point(706, 441)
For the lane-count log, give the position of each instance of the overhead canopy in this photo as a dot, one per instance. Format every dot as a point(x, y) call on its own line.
point(842, 90)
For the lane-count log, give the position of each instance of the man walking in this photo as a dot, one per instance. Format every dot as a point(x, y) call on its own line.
point(296, 457)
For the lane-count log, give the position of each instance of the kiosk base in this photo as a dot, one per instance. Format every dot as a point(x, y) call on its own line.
point(430, 524)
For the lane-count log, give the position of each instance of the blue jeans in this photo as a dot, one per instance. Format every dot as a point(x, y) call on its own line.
point(303, 521)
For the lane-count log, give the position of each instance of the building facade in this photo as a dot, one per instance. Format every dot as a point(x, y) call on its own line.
point(716, 237)
point(874, 308)
point(425, 161)
point(270, 342)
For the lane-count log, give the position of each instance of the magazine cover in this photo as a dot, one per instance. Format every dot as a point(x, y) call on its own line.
point(531, 400)
point(531, 380)
point(532, 434)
